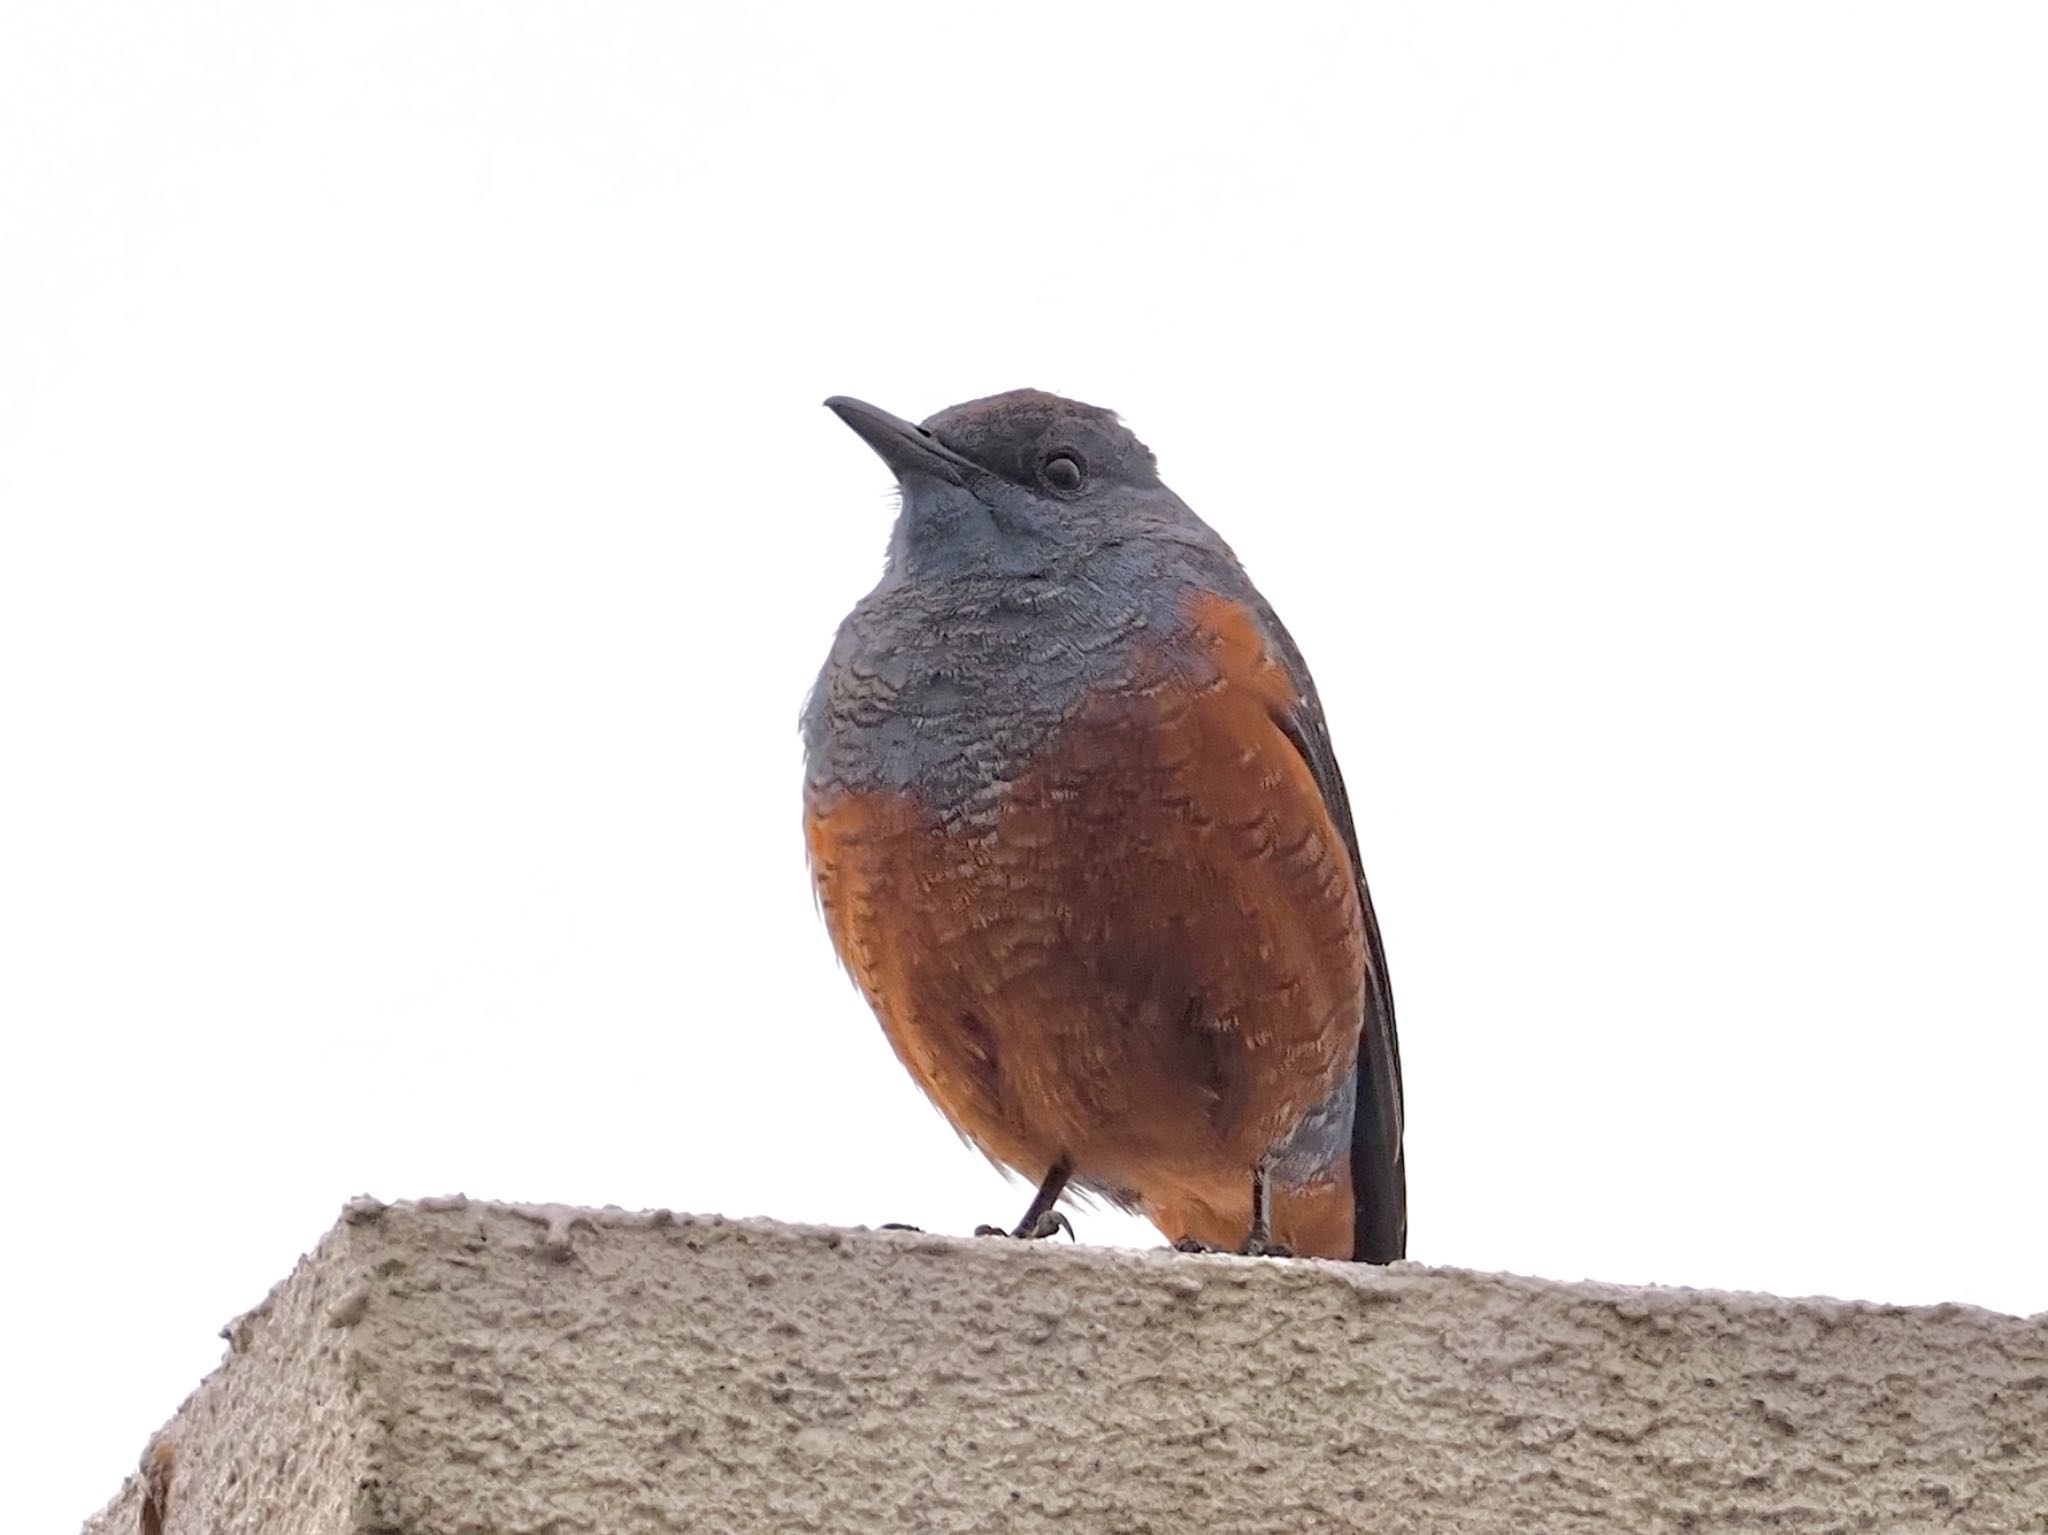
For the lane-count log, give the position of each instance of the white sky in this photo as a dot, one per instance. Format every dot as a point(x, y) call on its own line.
point(418, 530)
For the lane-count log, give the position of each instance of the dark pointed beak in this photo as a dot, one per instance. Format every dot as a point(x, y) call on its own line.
point(906, 448)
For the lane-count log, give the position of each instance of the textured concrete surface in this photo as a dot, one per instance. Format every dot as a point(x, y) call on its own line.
point(450, 1368)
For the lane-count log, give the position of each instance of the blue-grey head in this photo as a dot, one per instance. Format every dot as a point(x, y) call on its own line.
point(1016, 484)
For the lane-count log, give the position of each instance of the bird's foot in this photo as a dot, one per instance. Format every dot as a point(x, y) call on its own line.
point(1252, 1247)
point(1049, 1224)
point(1264, 1247)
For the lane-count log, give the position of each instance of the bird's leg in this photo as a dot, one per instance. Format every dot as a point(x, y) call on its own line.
point(1041, 1220)
point(1258, 1242)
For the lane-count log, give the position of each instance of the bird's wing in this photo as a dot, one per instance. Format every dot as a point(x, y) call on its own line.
point(1379, 1176)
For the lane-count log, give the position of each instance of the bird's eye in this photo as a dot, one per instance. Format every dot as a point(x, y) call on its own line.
point(1063, 472)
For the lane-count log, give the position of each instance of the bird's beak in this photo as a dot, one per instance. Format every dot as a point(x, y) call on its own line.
point(907, 449)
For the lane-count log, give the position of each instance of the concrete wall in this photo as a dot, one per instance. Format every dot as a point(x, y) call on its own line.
point(450, 1368)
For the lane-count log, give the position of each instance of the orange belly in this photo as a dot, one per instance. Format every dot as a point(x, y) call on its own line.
point(1149, 961)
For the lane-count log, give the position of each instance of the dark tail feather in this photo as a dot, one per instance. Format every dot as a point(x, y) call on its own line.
point(1379, 1167)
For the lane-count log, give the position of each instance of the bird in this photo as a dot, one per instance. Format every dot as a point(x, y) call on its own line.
point(1078, 833)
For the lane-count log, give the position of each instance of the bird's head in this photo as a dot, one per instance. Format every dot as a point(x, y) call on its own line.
point(1013, 484)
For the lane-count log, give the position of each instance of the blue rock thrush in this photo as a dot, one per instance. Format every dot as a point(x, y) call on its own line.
point(1079, 835)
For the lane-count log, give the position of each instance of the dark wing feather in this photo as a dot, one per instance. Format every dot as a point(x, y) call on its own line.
point(1379, 1174)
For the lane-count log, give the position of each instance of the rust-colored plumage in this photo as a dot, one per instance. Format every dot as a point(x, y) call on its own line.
point(1152, 965)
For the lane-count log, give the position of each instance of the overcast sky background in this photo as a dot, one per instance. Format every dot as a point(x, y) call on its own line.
point(418, 530)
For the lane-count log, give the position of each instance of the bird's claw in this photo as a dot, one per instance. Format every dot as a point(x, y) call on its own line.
point(1049, 1224)
point(1252, 1247)
point(1256, 1247)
